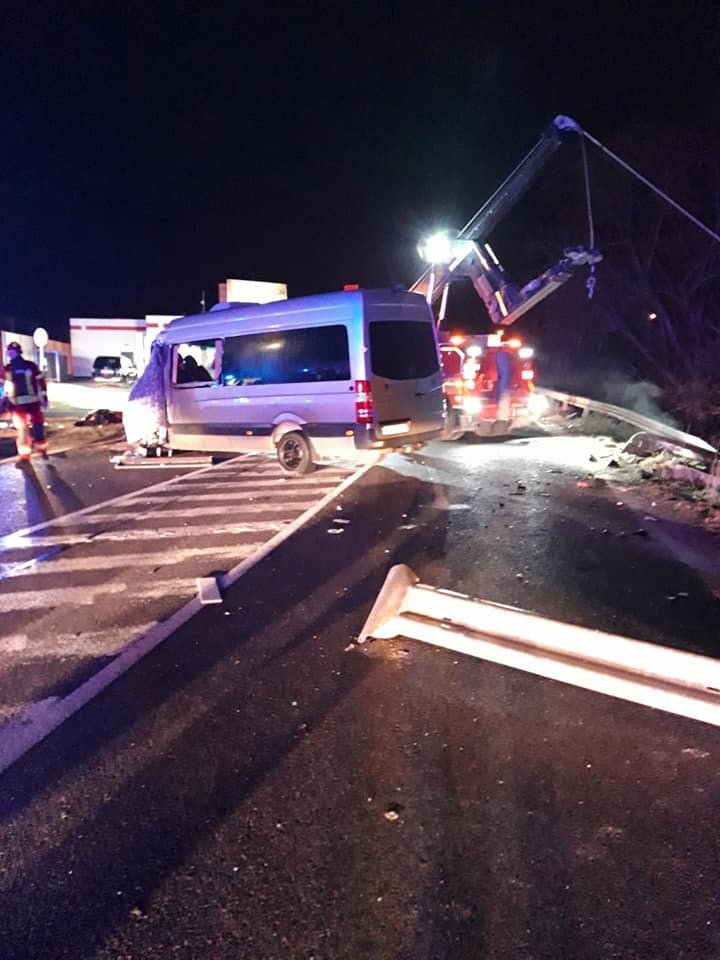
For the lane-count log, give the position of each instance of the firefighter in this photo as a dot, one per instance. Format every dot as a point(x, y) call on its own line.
point(25, 395)
point(503, 363)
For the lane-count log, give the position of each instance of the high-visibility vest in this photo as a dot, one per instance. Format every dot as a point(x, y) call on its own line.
point(24, 383)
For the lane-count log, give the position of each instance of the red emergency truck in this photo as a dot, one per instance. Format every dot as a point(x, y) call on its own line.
point(488, 384)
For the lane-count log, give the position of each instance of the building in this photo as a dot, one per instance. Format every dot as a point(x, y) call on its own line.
point(56, 359)
point(92, 337)
point(132, 337)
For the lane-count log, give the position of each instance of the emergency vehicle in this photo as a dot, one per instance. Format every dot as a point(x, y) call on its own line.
point(488, 381)
point(348, 373)
point(488, 384)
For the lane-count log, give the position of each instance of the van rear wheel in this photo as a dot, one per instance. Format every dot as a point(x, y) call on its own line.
point(294, 453)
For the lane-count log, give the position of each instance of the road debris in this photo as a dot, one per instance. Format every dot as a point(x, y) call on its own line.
point(393, 811)
point(97, 418)
point(592, 483)
point(208, 590)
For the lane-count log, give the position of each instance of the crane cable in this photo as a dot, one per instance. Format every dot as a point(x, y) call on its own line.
point(588, 198)
point(652, 186)
point(591, 279)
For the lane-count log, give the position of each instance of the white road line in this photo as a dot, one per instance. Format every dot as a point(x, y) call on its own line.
point(248, 496)
point(30, 727)
point(261, 485)
point(31, 599)
point(63, 596)
point(106, 503)
point(86, 644)
point(134, 561)
point(32, 542)
point(324, 479)
point(159, 515)
point(177, 586)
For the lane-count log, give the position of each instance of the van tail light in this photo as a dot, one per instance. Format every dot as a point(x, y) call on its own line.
point(363, 401)
point(528, 374)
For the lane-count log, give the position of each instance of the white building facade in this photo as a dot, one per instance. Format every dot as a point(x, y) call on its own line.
point(131, 337)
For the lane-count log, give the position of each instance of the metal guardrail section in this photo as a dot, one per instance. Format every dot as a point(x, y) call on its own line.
point(667, 679)
point(629, 416)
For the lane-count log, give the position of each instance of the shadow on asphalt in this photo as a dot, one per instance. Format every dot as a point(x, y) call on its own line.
point(38, 505)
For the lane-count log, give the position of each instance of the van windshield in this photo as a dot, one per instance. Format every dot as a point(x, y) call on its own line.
point(402, 349)
point(107, 362)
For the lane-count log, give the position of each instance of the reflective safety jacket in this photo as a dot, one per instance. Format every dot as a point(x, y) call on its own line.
point(24, 383)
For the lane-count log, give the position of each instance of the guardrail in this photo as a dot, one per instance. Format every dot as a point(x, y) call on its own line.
point(655, 676)
point(656, 427)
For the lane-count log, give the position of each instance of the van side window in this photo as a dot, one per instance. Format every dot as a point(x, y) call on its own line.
point(194, 362)
point(306, 355)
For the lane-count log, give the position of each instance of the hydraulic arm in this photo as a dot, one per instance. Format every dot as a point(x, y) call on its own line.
point(505, 302)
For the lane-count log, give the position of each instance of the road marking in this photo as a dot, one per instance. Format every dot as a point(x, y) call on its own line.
point(87, 644)
point(166, 533)
point(53, 521)
point(24, 730)
point(208, 511)
point(32, 599)
point(322, 477)
point(173, 555)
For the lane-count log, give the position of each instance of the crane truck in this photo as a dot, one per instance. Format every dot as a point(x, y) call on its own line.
point(488, 380)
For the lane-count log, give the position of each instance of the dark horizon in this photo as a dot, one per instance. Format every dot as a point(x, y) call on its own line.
point(150, 154)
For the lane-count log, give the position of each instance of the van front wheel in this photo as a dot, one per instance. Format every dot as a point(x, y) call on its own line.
point(294, 454)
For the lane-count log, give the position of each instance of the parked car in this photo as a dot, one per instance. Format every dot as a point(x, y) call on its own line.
point(114, 369)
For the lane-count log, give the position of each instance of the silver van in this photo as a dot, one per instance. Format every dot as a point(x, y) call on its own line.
point(337, 374)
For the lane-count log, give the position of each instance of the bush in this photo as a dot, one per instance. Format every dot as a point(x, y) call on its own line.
point(696, 403)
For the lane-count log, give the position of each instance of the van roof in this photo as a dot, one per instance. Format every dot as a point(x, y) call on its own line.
point(320, 301)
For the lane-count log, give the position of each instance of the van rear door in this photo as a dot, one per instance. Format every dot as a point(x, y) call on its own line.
point(404, 369)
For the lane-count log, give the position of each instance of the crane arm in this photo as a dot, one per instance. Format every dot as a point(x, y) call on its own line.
point(504, 301)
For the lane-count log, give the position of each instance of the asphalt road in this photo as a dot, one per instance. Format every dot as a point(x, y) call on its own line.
point(77, 475)
point(260, 787)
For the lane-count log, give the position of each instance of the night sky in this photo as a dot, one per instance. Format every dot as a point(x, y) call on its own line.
point(151, 151)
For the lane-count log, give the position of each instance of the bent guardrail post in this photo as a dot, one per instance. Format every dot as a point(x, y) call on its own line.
point(665, 678)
